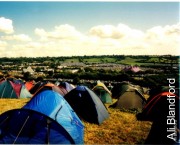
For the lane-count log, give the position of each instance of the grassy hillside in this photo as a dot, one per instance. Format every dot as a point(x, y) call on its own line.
point(128, 60)
point(120, 128)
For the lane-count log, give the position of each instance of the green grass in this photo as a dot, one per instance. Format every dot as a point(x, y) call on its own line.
point(128, 60)
point(92, 60)
point(109, 59)
point(71, 60)
point(100, 60)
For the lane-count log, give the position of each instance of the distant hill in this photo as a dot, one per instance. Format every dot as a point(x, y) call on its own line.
point(119, 59)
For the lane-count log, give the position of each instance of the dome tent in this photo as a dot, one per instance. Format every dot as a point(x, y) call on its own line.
point(13, 89)
point(50, 86)
point(103, 92)
point(52, 104)
point(67, 86)
point(37, 86)
point(159, 110)
point(129, 97)
point(24, 126)
point(87, 105)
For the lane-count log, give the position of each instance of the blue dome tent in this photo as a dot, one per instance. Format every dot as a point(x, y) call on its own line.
point(23, 126)
point(53, 105)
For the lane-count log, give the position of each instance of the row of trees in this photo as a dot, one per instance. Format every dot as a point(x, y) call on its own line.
point(146, 81)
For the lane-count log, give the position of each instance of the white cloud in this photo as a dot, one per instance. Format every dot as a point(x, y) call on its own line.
point(164, 39)
point(3, 44)
point(106, 31)
point(20, 37)
point(6, 25)
point(60, 32)
point(65, 40)
point(156, 41)
point(164, 35)
point(119, 32)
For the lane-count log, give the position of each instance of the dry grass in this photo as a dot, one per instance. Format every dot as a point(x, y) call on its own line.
point(119, 128)
point(8, 104)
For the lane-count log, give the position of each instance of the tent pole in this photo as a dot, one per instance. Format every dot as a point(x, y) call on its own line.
point(4, 120)
point(11, 93)
point(21, 130)
point(48, 131)
point(3, 91)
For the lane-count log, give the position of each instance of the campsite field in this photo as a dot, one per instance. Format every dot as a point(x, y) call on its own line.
point(119, 128)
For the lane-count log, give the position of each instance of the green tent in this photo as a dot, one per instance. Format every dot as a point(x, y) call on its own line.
point(6, 90)
point(102, 92)
point(9, 89)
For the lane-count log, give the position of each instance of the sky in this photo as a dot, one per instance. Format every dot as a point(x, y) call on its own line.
point(78, 28)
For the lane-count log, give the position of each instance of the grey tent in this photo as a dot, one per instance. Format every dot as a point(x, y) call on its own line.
point(129, 97)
